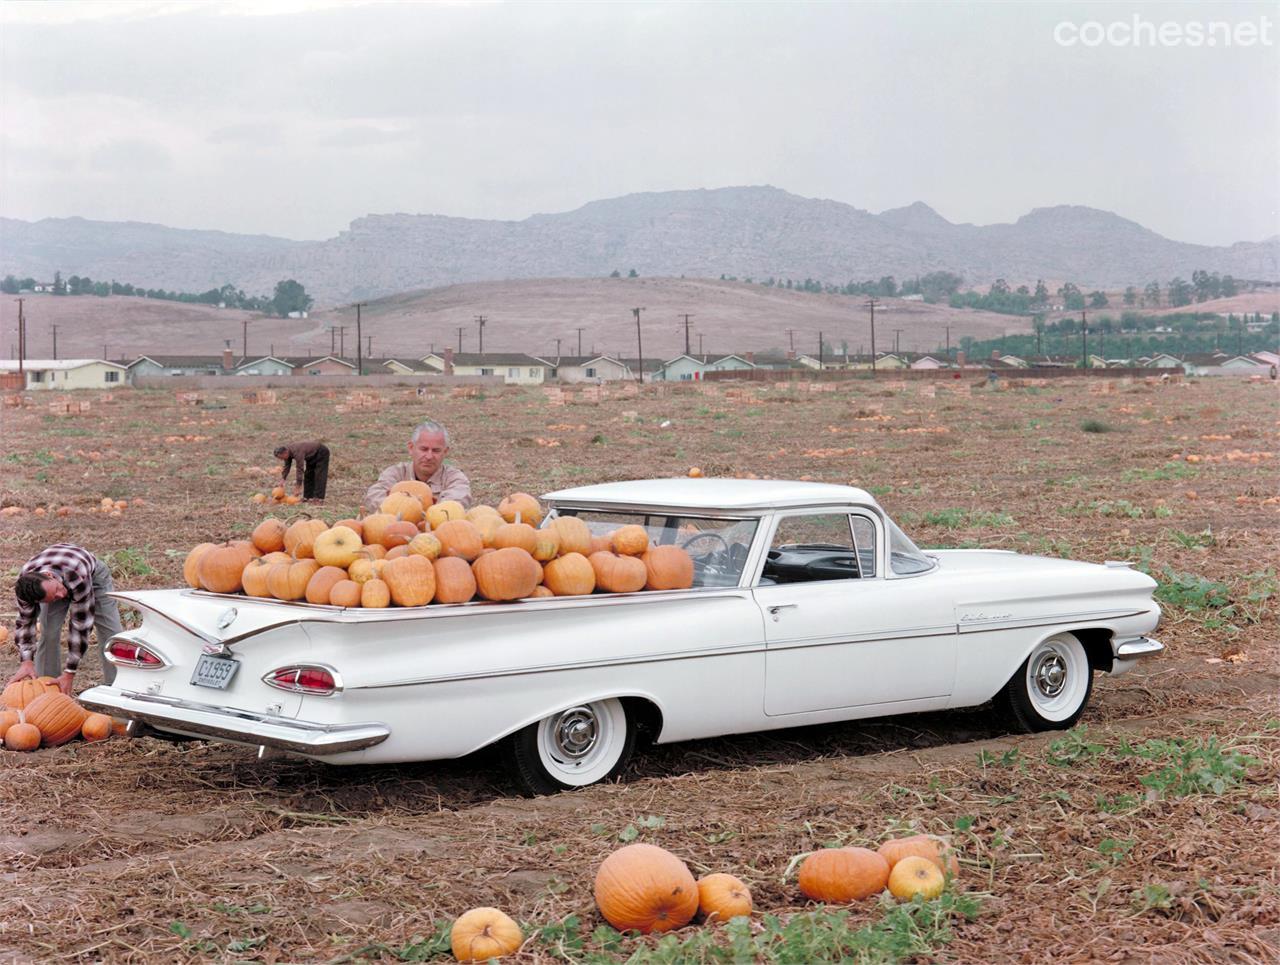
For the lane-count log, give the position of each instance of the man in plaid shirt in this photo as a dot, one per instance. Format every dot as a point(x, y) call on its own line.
point(60, 578)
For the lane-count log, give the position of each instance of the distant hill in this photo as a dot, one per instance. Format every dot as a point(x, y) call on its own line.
point(524, 315)
point(756, 232)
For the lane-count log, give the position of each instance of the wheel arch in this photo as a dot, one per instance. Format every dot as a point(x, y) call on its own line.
point(1097, 646)
point(643, 708)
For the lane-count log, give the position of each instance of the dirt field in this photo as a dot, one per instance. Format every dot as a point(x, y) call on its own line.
point(1146, 834)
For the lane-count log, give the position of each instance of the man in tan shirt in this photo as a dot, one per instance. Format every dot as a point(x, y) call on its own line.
point(427, 448)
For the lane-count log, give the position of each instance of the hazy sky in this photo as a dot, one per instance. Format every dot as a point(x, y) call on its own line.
point(294, 118)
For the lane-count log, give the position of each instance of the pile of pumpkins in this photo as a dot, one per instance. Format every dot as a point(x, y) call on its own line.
point(647, 889)
point(35, 713)
point(415, 551)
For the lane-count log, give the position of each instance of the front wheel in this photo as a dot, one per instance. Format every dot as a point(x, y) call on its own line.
point(1051, 689)
point(573, 748)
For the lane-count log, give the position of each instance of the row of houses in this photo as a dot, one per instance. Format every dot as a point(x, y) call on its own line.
point(516, 368)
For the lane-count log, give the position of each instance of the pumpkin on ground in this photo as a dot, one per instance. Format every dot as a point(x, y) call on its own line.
point(345, 593)
point(920, 845)
point(914, 875)
point(521, 508)
point(374, 594)
point(459, 538)
point(455, 583)
point(722, 896)
point(575, 535)
point(268, 535)
point(842, 875)
point(667, 568)
point(22, 737)
point(288, 581)
point(96, 727)
point(7, 719)
point(506, 574)
point(338, 546)
point(445, 511)
point(410, 579)
point(403, 506)
point(56, 716)
point(569, 575)
point(645, 888)
point(484, 933)
point(415, 488)
point(322, 581)
point(630, 540)
point(300, 538)
point(190, 566)
point(17, 695)
point(618, 574)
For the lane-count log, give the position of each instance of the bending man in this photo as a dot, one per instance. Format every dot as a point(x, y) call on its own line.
point(312, 475)
point(427, 448)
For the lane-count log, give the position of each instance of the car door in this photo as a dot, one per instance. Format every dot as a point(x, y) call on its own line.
point(839, 633)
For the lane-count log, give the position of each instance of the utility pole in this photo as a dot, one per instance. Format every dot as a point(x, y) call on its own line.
point(896, 333)
point(639, 347)
point(791, 337)
point(342, 341)
point(368, 348)
point(460, 328)
point(333, 339)
point(871, 304)
point(699, 343)
point(359, 355)
point(1084, 340)
point(579, 343)
point(819, 350)
point(55, 341)
point(686, 318)
point(244, 340)
point(948, 327)
point(22, 338)
point(480, 320)
point(557, 350)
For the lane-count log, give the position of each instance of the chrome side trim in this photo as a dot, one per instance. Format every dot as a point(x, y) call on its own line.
point(128, 600)
point(980, 623)
point(828, 640)
point(236, 726)
point(1133, 647)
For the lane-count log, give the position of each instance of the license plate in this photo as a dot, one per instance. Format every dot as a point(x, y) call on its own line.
point(215, 672)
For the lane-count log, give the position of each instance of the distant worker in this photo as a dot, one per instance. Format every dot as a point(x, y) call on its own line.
point(312, 475)
point(427, 448)
point(59, 578)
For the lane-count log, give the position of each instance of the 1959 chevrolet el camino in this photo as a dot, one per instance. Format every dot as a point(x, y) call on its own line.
point(809, 605)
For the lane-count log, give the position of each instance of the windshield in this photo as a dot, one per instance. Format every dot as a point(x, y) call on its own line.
point(719, 547)
point(905, 558)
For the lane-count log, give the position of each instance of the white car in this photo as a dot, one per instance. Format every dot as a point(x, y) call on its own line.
point(809, 605)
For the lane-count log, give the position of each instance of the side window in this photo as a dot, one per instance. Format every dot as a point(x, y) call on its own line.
point(864, 537)
point(812, 548)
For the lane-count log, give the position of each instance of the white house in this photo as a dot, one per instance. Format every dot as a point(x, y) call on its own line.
point(60, 374)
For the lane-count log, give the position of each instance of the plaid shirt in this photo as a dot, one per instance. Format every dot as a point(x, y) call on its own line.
point(74, 567)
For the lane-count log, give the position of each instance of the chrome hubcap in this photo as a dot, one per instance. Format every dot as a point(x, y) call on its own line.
point(575, 732)
point(1050, 674)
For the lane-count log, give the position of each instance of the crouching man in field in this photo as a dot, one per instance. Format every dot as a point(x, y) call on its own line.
point(427, 448)
point(63, 578)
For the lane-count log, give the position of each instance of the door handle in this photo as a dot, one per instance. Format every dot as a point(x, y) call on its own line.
point(774, 610)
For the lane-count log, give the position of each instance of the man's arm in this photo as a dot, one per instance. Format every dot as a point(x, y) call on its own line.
point(24, 631)
point(456, 486)
point(379, 491)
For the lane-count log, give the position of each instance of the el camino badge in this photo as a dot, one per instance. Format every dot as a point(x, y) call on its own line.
point(984, 617)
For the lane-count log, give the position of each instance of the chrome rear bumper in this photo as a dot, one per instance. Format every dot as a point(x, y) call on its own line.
point(211, 722)
point(1127, 651)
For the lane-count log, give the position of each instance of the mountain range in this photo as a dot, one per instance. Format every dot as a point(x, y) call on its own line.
point(756, 232)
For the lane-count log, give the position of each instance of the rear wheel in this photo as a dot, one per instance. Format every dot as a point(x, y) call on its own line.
point(582, 745)
point(1051, 689)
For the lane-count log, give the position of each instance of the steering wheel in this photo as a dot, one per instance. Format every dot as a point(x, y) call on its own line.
point(697, 536)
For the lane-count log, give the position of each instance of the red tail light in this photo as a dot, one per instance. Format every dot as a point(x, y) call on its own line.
point(306, 679)
point(129, 653)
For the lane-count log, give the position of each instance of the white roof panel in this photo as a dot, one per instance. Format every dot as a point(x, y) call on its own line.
point(725, 494)
point(11, 365)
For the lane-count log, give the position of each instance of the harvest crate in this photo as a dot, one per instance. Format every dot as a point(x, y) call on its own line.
point(260, 397)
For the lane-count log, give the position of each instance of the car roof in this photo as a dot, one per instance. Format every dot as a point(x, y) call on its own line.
point(704, 493)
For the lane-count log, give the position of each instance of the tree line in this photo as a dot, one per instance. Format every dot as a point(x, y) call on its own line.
point(289, 296)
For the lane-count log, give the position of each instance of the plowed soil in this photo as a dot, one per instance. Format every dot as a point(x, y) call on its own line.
point(1146, 834)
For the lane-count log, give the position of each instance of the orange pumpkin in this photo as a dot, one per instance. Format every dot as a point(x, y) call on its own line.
point(411, 580)
point(415, 488)
point(425, 544)
point(842, 875)
point(399, 533)
point(355, 525)
point(521, 508)
point(488, 524)
point(96, 727)
point(403, 507)
point(7, 719)
point(514, 534)
point(221, 566)
point(569, 575)
point(630, 540)
point(337, 546)
point(722, 896)
point(375, 527)
point(374, 594)
point(506, 574)
point(22, 737)
point(254, 578)
point(667, 568)
point(300, 538)
point(57, 716)
point(190, 567)
point(364, 569)
point(288, 581)
point(540, 592)
point(20, 693)
point(482, 934)
point(443, 512)
point(459, 538)
point(475, 513)
point(322, 581)
point(547, 545)
point(375, 551)
point(455, 583)
point(618, 574)
point(645, 888)
point(280, 557)
point(345, 593)
point(920, 845)
point(575, 535)
point(277, 493)
point(601, 544)
point(268, 535)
